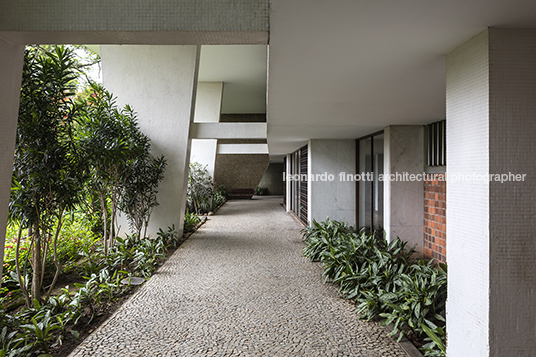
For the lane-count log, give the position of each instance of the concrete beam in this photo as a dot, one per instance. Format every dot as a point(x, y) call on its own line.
point(243, 149)
point(228, 131)
point(178, 22)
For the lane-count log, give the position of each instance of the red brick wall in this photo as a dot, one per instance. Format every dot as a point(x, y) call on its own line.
point(435, 220)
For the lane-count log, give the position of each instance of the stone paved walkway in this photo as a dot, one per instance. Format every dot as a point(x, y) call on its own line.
point(239, 287)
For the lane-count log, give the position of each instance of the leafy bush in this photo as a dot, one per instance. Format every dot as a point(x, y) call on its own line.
point(191, 220)
point(383, 279)
point(222, 191)
point(199, 191)
point(262, 191)
point(319, 236)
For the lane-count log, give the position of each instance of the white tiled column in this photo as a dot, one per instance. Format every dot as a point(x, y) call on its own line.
point(404, 199)
point(11, 60)
point(160, 83)
point(491, 81)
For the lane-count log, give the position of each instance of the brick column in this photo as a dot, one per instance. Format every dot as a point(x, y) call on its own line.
point(435, 218)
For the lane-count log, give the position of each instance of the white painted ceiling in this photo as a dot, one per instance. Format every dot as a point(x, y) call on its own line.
point(242, 69)
point(347, 68)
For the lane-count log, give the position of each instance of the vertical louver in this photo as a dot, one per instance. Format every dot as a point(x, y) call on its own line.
point(435, 136)
point(303, 184)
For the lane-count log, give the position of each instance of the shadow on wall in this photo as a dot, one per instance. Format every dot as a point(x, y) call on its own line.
point(273, 178)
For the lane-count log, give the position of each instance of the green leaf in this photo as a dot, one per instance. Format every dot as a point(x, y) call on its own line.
point(434, 337)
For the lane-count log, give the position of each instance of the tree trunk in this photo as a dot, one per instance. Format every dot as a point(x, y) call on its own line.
point(17, 265)
point(105, 223)
point(36, 264)
point(56, 261)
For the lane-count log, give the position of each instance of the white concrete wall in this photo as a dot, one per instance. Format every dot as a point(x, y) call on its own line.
point(204, 152)
point(160, 83)
point(336, 198)
point(468, 202)
point(11, 60)
point(208, 102)
point(404, 200)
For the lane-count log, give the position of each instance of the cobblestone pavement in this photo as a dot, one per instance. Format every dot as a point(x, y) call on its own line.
point(239, 287)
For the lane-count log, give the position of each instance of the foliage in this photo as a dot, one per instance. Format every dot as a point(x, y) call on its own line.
point(191, 220)
point(319, 236)
point(36, 329)
point(222, 191)
point(262, 191)
point(383, 280)
point(111, 142)
point(139, 191)
point(47, 179)
point(199, 191)
point(417, 306)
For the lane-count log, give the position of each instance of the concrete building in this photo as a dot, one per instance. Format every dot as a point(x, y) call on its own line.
point(378, 87)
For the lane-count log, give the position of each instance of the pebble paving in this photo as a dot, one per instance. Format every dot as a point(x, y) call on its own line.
point(239, 286)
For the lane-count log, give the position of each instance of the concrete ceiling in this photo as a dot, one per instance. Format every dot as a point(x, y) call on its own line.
point(242, 69)
point(347, 68)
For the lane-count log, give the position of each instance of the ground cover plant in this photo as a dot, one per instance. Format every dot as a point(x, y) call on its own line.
point(79, 159)
point(383, 280)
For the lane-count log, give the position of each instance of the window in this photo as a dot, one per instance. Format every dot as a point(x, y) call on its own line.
point(435, 142)
point(369, 188)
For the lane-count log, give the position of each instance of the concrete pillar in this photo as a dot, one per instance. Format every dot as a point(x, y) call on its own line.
point(404, 199)
point(160, 83)
point(328, 195)
point(207, 110)
point(491, 81)
point(11, 60)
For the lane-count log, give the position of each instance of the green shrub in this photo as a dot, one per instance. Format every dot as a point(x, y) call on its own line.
point(383, 280)
point(319, 236)
point(223, 191)
point(191, 220)
point(262, 191)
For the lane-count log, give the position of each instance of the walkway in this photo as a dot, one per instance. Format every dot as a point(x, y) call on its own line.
point(239, 287)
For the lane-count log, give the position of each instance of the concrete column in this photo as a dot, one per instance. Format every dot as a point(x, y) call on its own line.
point(404, 199)
point(491, 81)
point(11, 61)
point(207, 110)
point(160, 83)
point(328, 195)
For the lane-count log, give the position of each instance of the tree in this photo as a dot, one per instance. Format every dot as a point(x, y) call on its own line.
point(46, 170)
point(113, 147)
point(140, 190)
point(200, 189)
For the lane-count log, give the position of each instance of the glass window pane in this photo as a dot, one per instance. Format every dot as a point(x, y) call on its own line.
point(378, 185)
point(364, 186)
